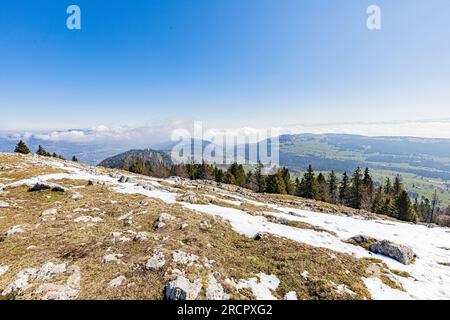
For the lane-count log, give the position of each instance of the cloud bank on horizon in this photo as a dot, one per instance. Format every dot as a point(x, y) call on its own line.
point(160, 133)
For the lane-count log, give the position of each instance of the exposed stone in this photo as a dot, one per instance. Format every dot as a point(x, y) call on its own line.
point(49, 214)
point(141, 236)
point(158, 225)
point(204, 225)
point(49, 270)
point(20, 284)
point(184, 226)
point(14, 231)
point(182, 289)
point(68, 291)
point(113, 257)
point(184, 258)
point(117, 282)
point(88, 219)
point(156, 262)
point(395, 251)
point(164, 217)
point(47, 186)
point(215, 291)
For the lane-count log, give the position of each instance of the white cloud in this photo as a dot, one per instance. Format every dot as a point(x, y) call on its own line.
point(152, 134)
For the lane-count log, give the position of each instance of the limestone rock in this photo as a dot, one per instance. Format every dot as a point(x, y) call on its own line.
point(182, 289)
point(395, 251)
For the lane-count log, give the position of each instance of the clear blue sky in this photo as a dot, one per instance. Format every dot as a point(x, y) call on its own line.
point(226, 62)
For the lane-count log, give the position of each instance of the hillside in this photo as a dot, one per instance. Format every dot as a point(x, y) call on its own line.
point(70, 231)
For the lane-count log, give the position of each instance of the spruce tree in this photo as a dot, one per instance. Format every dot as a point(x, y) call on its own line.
point(405, 209)
point(22, 148)
point(287, 180)
point(344, 190)
point(239, 174)
point(333, 187)
point(388, 187)
point(310, 188)
point(322, 194)
point(397, 187)
point(41, 151)
point(260, 178)
point(74, 159)
point(377, 204)
point(357, 189)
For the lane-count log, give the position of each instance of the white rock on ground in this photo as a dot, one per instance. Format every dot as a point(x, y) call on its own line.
point(215, 291)
point(21, 283)
point(49, 270)
point(49, 214)
point(68, 291)
point(117, 282)
point(184, 258)
point(141, 236)
point(113, 257)
point(156, 262)
point(88, 219)
point(182, 289)
point(164, 217)
point(14, 231)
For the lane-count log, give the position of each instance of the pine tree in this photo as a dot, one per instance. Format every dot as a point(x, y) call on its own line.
point(275, 183)
point(250, 182)
point(287, 180)
point(389, 207)
point(404, 207)
point(22, 148)
point(137, 167)
point(239, 174)
point(367, 202)
point(397, 187)
point(298, 187)
point(260, 178)
point(344, 190)
point(218, 175)
point(434, 204)
point(310, 187)
point(41, 151)
point(229, 178)
point(357, 189)
point(377, 204)
point(74, 159)
point(333, 188)
point(322, 194)
point(388, 187)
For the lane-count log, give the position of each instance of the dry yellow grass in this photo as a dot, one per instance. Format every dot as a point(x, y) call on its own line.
point(84, 244)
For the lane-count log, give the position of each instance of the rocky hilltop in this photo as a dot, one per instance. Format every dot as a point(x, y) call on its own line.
point(70, 231)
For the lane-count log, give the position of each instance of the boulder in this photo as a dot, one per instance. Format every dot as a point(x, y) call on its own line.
point(46, 186)
point(164, 217)
point(395, 251)
point(182, 289)
point(156, 262)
